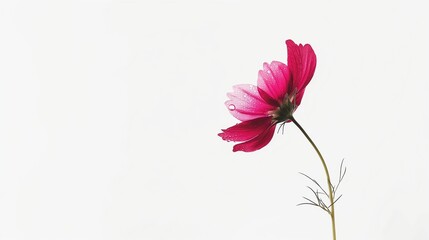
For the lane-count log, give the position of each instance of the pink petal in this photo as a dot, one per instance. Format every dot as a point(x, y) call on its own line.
point(298, 97)
point(257, 142)
point(273, 80)
point(246, 130)
point(246, 104)
point(302, 64)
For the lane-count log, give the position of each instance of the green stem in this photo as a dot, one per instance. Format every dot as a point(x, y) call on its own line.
point(331, 197)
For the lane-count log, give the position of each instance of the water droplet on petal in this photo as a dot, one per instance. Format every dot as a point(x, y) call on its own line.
point(231, 107)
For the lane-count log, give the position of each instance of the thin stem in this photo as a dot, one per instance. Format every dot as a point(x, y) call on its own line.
point(331, 196)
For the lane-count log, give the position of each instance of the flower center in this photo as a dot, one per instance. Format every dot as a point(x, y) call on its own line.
point(286, 109)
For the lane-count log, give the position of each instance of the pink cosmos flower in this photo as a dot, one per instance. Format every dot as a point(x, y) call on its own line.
point(277, 95)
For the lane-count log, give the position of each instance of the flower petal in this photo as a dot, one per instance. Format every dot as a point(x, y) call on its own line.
point(273, 80)
point(246, 104)
point(302, 64)
point(246, 130)
point(298, 97)
point(257, 142)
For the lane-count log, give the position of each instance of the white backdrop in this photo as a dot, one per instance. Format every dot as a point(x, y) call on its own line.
point(109, 114)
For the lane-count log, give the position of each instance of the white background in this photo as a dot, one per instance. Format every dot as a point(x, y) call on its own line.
point(109, 114)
